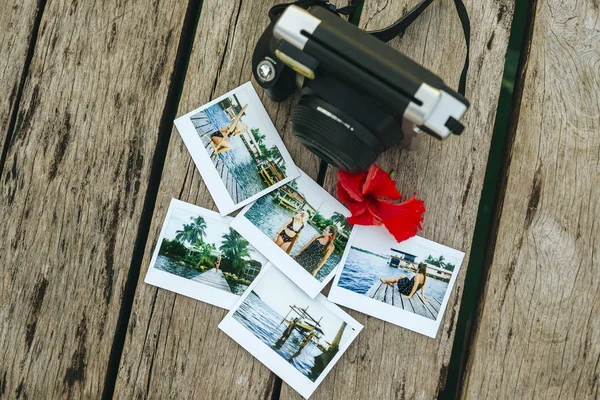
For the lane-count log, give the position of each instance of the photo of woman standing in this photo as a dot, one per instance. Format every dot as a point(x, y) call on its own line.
point(300, 228)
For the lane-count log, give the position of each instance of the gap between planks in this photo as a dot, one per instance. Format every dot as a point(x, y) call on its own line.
point(17, 100)
point(184, 50)
point(490, 206)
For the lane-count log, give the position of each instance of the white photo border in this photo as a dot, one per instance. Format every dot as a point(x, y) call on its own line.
point(389, 313)
point(184, 286)
point(205, 166)
point(301, 277)
point(270, 358)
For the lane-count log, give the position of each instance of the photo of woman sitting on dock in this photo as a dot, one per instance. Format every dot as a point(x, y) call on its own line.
point(199, 255)
point(289, 233)
point(301, 229)
point(314, 254)
point(406, 283)
point(236, 148)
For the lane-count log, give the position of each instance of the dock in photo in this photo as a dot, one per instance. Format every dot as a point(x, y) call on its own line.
point(386, 293)
point(214, 279)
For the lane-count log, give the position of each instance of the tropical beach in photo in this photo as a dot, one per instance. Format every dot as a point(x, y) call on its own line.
point(305, 223)
point(297, 328)
point(240, 145)
point(207, 251)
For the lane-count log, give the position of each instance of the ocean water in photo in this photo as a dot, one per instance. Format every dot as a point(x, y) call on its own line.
point(362, 270)
point(238, 160)
point(164, 264)
point(266, 325)
point(268, 216)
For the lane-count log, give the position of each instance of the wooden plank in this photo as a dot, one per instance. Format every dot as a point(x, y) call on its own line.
point(17, 22)
point(73, 189)
point(173, 347)
point(539, 320)
point(396, 298)
point(448, 176)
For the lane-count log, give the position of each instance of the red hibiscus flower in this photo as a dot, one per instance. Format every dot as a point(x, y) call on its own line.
point(368, 195)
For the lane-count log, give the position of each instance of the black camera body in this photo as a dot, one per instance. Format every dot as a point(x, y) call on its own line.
point(359, 97)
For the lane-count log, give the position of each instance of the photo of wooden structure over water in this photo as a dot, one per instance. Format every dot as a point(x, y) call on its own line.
point(310, 329)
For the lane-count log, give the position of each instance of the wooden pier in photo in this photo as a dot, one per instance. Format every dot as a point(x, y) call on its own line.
point(202, 124)
point(216, 280)
point(233, 188)
point(390, 294)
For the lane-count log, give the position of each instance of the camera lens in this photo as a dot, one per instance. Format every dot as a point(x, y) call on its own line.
point(333, 135)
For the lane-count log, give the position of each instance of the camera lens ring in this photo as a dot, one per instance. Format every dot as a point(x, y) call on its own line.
point(333, 135)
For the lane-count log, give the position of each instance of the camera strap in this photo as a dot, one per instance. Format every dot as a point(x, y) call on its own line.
point(397, 28)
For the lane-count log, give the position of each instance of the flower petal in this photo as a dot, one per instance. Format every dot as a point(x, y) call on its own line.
point(352, 183)
point(379, 184)
point(403, 220)
point(364, 217)
point(343, 194)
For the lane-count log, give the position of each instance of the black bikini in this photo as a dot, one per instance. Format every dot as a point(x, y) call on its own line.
point(217, 134)
point(285, 237)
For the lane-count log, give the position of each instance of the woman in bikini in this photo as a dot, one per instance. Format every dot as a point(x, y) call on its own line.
point(221, 137)
point(408, 287)
point(316, 252)
point(289, 233)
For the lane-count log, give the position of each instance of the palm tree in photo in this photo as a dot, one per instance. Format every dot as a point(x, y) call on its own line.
point(194, 232)
point(235, 250)
point(258, 137)
point(438, 262)
point(340, 220)
point(203, 255)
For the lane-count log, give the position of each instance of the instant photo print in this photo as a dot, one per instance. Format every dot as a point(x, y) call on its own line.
point(301, 229)
point(407, 284)
point(198, 255)
point(236, 148)
point(297, 337)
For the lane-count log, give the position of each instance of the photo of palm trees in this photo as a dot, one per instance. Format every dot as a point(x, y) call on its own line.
point(199, 245)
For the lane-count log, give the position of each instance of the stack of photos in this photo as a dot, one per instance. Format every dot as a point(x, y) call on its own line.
point(200, 256)
point(301, 229)
point(407, 283)
point(236, 148)
point(269, 264)
point(297, 337)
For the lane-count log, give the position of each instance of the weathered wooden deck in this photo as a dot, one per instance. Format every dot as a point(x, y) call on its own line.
point(213, 279)
point(233, 188)
point(390, 294)
point(89, 161)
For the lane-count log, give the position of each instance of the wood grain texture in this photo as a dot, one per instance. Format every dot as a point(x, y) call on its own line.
point(388, 361)
point(73, 188)
point(539, 320)
point(173, 346)
point(16, 27)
